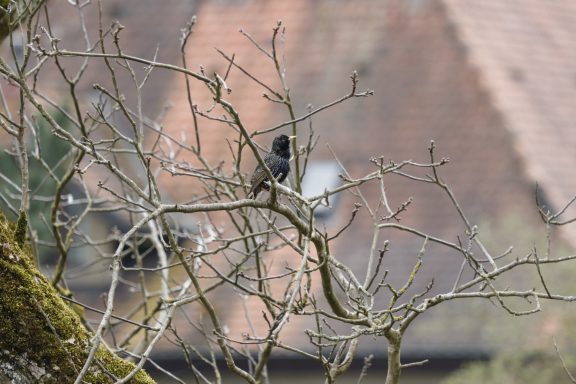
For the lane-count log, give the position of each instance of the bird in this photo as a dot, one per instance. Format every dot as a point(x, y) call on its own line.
point(277, 160)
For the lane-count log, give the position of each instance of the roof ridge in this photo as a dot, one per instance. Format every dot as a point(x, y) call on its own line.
point(484, 84)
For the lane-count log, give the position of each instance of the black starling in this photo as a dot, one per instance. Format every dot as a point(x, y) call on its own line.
point(278, 161)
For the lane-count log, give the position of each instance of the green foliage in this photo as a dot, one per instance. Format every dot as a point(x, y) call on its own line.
point(47, 163)
point(515, 369)
point(14, 12)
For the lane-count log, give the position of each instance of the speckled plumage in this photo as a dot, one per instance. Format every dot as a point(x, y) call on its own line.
point(278, 161)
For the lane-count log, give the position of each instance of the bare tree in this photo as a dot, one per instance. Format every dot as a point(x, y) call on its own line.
point(116, 157)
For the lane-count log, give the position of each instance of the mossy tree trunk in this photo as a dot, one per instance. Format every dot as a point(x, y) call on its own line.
point(42, 339)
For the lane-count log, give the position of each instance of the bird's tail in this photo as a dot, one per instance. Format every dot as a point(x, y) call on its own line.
point(253, 192)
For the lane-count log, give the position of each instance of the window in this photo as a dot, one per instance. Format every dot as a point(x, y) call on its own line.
point(319, 177)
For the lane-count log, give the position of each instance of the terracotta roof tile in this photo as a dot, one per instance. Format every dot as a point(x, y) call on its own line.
point(492, 82)
point(419, 63)
point(527, 54)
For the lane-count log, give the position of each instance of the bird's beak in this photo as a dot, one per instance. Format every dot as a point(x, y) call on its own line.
point(291, 137)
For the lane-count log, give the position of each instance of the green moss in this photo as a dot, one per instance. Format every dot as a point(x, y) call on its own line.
point(20, 232)
point(40, 336)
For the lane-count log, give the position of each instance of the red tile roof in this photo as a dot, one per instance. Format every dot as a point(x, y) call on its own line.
point(525, 52)
point(490, 82)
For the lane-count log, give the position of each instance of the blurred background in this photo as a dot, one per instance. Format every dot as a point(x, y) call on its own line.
point(492, 82)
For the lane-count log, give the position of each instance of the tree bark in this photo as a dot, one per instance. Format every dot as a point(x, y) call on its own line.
point(394, 366)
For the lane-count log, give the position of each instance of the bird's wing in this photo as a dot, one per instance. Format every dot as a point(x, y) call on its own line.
point(257, 178)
